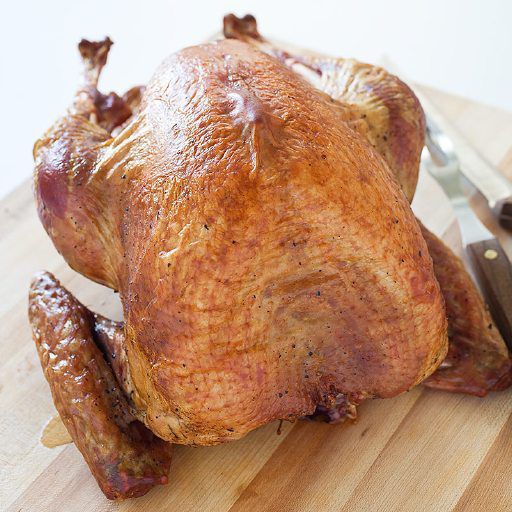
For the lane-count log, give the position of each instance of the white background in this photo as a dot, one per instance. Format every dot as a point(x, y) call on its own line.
point(462, 46)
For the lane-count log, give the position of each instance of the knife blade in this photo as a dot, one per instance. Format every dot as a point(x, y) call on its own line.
point(489, 261)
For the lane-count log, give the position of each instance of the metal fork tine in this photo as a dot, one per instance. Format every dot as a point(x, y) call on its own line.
point(442, 163)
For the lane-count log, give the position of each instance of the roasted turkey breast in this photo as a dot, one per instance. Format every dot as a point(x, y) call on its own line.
point(252, 209)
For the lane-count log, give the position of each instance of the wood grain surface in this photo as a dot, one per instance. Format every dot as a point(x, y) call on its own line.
point(423, 451)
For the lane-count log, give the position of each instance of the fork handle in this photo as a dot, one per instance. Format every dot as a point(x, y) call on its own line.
point(503, 212)
point(494, 273)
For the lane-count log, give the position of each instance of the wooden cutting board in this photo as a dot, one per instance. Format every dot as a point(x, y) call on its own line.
point(423, 451)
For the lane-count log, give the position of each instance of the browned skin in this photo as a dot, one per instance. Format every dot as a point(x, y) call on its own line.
point(235, 215)
point(124, 456)
point(478, 357)
point(267, 260)
point(477, 360)
point(387, 111)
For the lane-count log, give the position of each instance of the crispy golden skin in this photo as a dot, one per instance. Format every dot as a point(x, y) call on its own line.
point(268, 262)
point(235, 214)
point(385, 109)
point(392, 120)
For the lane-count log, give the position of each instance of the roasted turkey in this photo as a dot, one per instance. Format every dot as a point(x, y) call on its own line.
point(251, 207)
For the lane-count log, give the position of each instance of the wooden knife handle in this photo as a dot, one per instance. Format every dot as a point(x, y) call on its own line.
point(494, 273)
point(503, 212)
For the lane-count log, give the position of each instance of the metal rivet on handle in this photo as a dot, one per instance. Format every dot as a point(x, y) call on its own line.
point(490, 254)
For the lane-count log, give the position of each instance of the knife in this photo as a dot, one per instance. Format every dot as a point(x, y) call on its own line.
point(496, 189)
point(491, 265)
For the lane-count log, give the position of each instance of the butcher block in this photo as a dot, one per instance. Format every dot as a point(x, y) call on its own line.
point(425, 450)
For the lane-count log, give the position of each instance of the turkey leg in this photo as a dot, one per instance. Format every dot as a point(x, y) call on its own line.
point(70, 187)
